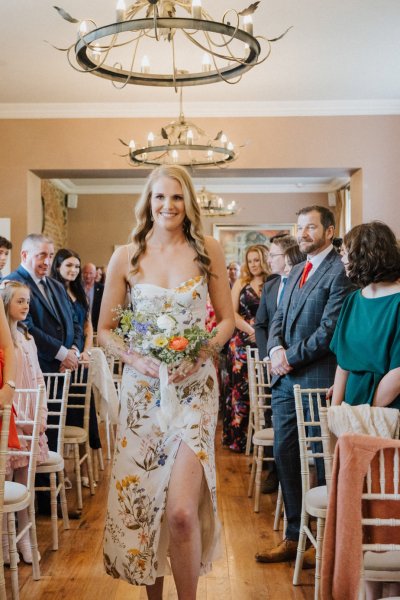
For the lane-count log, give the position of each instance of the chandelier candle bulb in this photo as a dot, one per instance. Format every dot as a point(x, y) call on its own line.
point(210, 154)
point(196, 9)
point(206, 63)
point(220, 203)
point(230, 146)
point(145, 65)
point(189, 137)
point(121, 11)
point(83, 28)
point(175, 156)
point(132, 145)
point(150, 139)
point(248, 24)
point(224, 140)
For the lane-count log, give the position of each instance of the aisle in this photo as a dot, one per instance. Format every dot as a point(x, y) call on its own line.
point(75, 571)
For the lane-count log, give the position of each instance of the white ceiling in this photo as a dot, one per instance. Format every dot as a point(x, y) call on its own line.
point(340, 57)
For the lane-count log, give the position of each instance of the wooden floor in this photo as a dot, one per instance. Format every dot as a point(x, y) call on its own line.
point(75, 571)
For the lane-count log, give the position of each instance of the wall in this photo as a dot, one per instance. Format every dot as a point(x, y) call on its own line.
point(110, 219)
point(367, 143)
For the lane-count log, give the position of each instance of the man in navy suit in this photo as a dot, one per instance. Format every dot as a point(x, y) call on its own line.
point(298, 346)
point(271, 296)
point(50, 319)
point(272, 290)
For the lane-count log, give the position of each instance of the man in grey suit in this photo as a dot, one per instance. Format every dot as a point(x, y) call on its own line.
point(298, 346)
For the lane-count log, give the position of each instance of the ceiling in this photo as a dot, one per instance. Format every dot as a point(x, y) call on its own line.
point(340, 57)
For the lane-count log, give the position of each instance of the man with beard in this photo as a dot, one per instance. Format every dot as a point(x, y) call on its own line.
point(298, 346)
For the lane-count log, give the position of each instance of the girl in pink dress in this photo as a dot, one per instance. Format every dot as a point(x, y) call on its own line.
point(16, 297)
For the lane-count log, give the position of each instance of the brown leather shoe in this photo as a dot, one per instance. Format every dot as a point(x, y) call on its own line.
point(309, 558)
point(283, 552)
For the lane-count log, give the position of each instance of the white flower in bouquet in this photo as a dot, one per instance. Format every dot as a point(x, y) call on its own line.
point(166, 323)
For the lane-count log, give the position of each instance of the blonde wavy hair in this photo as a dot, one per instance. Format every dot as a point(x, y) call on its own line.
point(262, 252)
point(8, 288)
point(192, 225)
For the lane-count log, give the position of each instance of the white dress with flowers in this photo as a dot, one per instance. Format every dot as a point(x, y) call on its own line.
point(136, 532)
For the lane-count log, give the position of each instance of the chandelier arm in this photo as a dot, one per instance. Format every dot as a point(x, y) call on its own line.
point(121, 87)
point(213, 54)
point(210, 50)
point(174, 65)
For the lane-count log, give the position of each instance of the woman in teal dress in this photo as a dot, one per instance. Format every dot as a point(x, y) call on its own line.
point(367, 336)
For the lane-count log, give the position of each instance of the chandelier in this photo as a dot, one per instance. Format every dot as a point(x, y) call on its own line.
point(182, 142)
point(212, 205)
point(207, 50)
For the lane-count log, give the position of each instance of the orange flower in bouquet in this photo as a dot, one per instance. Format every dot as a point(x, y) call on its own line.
point(178, 343)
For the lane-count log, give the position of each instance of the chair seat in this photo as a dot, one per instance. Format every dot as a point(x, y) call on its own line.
point(74, 434)
point(382, 561)
point(14, 493)
point(316, 501)
point(54, 462)
point(262, 436)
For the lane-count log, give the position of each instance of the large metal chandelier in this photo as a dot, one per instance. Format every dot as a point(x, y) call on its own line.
point(182, 142)
point(212, 205)
point(192, 48)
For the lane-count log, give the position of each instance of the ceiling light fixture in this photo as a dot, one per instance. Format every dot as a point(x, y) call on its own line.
point(182, 142)
point(208, 50)
point(212, 205)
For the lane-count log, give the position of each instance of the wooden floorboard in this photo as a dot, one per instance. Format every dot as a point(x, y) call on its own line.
point(75, 571)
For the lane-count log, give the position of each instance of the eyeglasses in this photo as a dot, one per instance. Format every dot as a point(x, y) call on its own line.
point(278, 254)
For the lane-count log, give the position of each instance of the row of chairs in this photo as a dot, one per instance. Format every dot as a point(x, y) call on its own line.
point(315, 443)
point(63, 391)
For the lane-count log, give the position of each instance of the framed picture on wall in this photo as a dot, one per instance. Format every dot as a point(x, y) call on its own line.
point(236, 238)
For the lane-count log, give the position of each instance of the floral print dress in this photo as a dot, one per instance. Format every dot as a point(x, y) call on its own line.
point(136, 536)
point(237, 404)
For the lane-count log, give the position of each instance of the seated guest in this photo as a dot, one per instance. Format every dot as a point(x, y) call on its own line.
point(367, 336)
point(16, 297)
point(5, 247)
point(66, 269)
point(94, 292)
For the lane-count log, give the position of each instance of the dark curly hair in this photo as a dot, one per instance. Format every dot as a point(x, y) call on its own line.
point(373, 254)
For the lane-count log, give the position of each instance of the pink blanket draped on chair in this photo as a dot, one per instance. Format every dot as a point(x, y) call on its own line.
point(341, 556)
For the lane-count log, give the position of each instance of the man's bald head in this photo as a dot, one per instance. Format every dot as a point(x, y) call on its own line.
point(89, 274)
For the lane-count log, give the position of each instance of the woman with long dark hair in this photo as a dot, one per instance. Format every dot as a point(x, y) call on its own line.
point(66, 268)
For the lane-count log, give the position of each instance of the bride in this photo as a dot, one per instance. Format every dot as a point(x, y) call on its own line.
point(162, 498)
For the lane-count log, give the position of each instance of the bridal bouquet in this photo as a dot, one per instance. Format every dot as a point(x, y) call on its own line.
point(167, 336)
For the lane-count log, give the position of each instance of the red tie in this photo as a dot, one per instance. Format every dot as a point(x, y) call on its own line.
point(304, 275)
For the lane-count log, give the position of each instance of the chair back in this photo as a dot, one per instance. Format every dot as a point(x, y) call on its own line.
point(309, 402)
point(57, 387)
point(116, 367)
point(5, 415)
point(24, 401)
point(382, 485)
point(328, 445)
point(259, 390)
point(80, 390)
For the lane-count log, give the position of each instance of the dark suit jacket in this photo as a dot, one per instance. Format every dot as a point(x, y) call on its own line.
point(97, 297)
point(305, 321)
point(50, 331)
point(265, 312)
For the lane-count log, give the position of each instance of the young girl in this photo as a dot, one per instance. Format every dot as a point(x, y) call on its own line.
point(16, 298)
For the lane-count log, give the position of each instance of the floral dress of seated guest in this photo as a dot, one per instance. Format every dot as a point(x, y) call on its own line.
point(367, 344)
point(75, 415)
point(29, 376)
point(136, 537)
point(236, 409)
